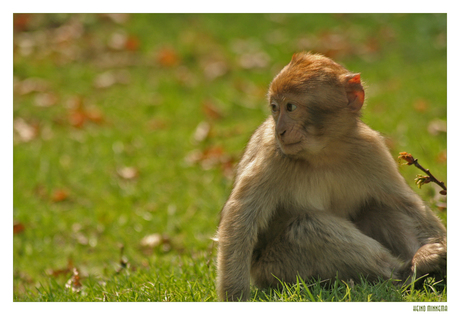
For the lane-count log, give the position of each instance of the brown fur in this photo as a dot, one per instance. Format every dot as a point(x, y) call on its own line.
point(317, 193)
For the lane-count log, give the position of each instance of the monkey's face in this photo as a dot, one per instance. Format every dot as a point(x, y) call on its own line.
point(297, 132)
point(314, 103)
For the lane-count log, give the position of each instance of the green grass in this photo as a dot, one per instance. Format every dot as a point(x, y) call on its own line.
point(148, 122)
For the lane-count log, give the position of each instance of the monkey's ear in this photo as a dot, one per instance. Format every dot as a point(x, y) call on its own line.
point(355, 91)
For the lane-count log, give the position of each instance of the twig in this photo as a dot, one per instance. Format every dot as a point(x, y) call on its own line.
point(420, 180)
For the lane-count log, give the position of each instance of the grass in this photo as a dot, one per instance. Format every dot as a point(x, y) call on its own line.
point(101, 165)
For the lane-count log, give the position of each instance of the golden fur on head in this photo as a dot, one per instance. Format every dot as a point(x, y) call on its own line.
point(307, 71)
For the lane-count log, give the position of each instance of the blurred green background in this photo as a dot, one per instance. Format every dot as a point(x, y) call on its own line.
point(127, 127)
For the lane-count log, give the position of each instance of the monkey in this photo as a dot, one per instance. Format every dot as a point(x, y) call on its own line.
point(317, 194)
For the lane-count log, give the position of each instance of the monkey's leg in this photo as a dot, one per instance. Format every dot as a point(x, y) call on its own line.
point(411, 233)
point(320, 245)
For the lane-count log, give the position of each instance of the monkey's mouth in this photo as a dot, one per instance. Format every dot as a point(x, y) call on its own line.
point(290, 148)
point(288, 145)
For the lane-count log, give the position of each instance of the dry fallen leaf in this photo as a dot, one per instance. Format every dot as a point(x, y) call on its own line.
point(45, 99)
point(128, 172)
point(215, 69)
point(118, 40)
point(212, 157)
point(30, 85)
point(211, 111)
point(257, 59)
point(132, 43)
point(79, 114)
point(119, 18)
point(154, 240)
point(21, 21)
point(25, 132)
point(111, 77)
point(58, 272)
point(105, 80)
point(201, 131)
point(59, 195)
point(18, 228)
point(420, 105)
point(167, 57)
point(74, 283)
point(437, 126)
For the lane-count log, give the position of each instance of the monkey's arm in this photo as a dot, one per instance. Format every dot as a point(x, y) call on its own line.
point(236, 243)
point(244, 214)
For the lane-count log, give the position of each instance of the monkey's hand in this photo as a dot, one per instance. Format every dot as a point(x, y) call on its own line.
point(233, 274)
point(429, 259)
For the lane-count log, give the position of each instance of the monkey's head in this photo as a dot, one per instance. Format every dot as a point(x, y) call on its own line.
point(314, 102)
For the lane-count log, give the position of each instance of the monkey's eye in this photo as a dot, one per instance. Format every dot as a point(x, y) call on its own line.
point(274, 108)
point(290, 107)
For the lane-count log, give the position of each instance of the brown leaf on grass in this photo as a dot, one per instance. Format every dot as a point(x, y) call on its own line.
point(109, 78)
point(211, 157)
point(211, 111)
point(437, 126)
point(18, 228)
point(74, 283)
point(201, 131)
point(77, 118)
point(118, 40)
point(155, 240)
point(167, 57)
point(62, 271)
point(420, 105)
point(21, 21)
point(67, 33)
point(24, 132)
point(119, 18)
point(215, 69)
point(30, 85)
point(79, 114)
point(258, 59)
point(152, 240)
point(45, 99)
point(207, 158)
point(59, 195)
point(122, 41)
point(132, 43)
point(128, 172)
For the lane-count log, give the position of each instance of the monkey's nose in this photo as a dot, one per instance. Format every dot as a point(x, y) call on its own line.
point(282, 133)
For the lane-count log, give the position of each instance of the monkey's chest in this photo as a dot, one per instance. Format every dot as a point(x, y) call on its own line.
point(336, 193)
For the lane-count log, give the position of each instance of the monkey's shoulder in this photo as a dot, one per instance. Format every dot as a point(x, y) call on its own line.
point(261, 145)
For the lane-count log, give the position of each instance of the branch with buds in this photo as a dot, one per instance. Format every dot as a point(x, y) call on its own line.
point(421, 179)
